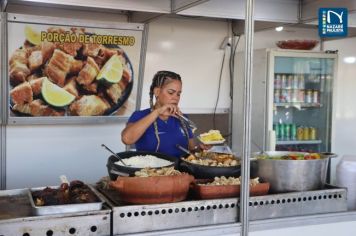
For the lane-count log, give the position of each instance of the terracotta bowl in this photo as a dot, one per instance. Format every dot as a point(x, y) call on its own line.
point(152, 190)
point(226, 191)
point(297, 44)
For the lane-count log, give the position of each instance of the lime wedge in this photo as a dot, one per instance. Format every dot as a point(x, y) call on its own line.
point(55, 95)
point(112, 70)
point(32, 35)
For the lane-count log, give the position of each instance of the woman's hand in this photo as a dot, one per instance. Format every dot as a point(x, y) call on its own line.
point(168, 110)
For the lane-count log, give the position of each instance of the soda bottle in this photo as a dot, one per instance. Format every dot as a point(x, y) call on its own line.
point(306, 133)
point(276, 129)
point(293, 131)
point(287, 131)
point(281, 132)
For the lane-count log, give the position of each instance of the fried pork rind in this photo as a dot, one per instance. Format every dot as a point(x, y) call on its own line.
point(91, 105)
point(232, 181)
point(36, 85)
point(22, 93)
point(150, 172)
point(88, 73)
point(213, 159)
point(58, 67)
point(18, 67)
point(71, 87)
point(37, 108)
point(72, 66)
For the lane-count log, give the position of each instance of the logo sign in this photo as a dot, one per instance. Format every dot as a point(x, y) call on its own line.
point(332, 22)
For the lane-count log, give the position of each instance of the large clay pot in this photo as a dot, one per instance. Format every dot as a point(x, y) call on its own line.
point(152, 190)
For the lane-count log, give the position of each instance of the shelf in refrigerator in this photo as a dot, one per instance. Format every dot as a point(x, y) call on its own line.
point(298, 104)
point(296, 142)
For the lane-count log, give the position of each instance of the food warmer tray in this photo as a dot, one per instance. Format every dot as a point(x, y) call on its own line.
point(17, 218)
point(143, 218)
point(329, 200)
point(65, 208)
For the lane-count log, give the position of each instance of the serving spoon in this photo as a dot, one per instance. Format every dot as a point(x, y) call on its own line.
point(114, 154)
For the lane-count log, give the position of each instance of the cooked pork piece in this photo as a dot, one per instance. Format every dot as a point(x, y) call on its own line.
point(104, 55)
point(35, 60)
point(23, 108)
point(58, 67)
point(36, 85)
point(47, 49)
point(91, 88)
point(22, 93)
point(70, 48)
point(76, 66)
point(91, 49)
point(114, 92)
point(90, 105)
point(37, 108)
point(88, 73)
point(126, 75)
point(18, 67)
point(71, 86)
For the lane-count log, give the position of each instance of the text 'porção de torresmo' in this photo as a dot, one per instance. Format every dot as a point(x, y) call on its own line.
point(68, 37)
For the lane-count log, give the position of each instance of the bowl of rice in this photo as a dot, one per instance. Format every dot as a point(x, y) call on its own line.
point(136, 161)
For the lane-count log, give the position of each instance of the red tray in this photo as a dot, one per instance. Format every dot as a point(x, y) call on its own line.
point(226, 191)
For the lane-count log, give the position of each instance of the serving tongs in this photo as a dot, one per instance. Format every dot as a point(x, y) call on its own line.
point(184, 149)
point(190, 123)
point(114, 154)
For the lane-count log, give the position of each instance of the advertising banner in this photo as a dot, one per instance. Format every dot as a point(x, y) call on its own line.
point(69, 71)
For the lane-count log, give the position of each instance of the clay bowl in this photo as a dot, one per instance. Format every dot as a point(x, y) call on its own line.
point(225, 191)
point(153, 190)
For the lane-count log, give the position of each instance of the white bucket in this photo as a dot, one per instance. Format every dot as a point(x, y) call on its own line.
point(346, 177)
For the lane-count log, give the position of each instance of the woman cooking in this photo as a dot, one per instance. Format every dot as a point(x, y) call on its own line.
point(159, 128)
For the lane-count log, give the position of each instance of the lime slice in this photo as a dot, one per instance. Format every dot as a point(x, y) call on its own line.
point(55, 95)
point(112, 70)
point(32, 35)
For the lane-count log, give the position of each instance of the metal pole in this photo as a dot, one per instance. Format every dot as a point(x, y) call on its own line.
point(246, 143)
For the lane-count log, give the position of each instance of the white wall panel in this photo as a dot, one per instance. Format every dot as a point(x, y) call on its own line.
point(38, 155)
point(191, 49)
point(344, 137)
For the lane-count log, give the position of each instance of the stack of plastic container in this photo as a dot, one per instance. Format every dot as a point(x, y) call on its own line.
point(346, 177)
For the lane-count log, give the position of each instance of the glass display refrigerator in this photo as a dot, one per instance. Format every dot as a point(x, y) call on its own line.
point(292, 94)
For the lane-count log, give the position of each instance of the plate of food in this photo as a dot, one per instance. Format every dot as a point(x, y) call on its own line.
point(223, 187)
point(67, 79)
point(212, 137)
point(297, 44)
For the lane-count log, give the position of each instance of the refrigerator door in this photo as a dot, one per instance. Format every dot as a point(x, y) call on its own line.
point(299, 94)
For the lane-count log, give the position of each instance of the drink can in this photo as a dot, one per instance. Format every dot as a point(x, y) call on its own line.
point(295, 84)
point(293, 131)
point(309, 96)
point(287, 95)
point(289, 81)
point(306, 133)
point(312, 133)
point(281, 132)
point(294, 95)
point(315, 96)
point(284, 81)
point(300, 131)
point(277, 81)
point(301, 82)
point(276, 129)
point(277, 95)
point(301, 95)
point(284, 94)
point(287, 131)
